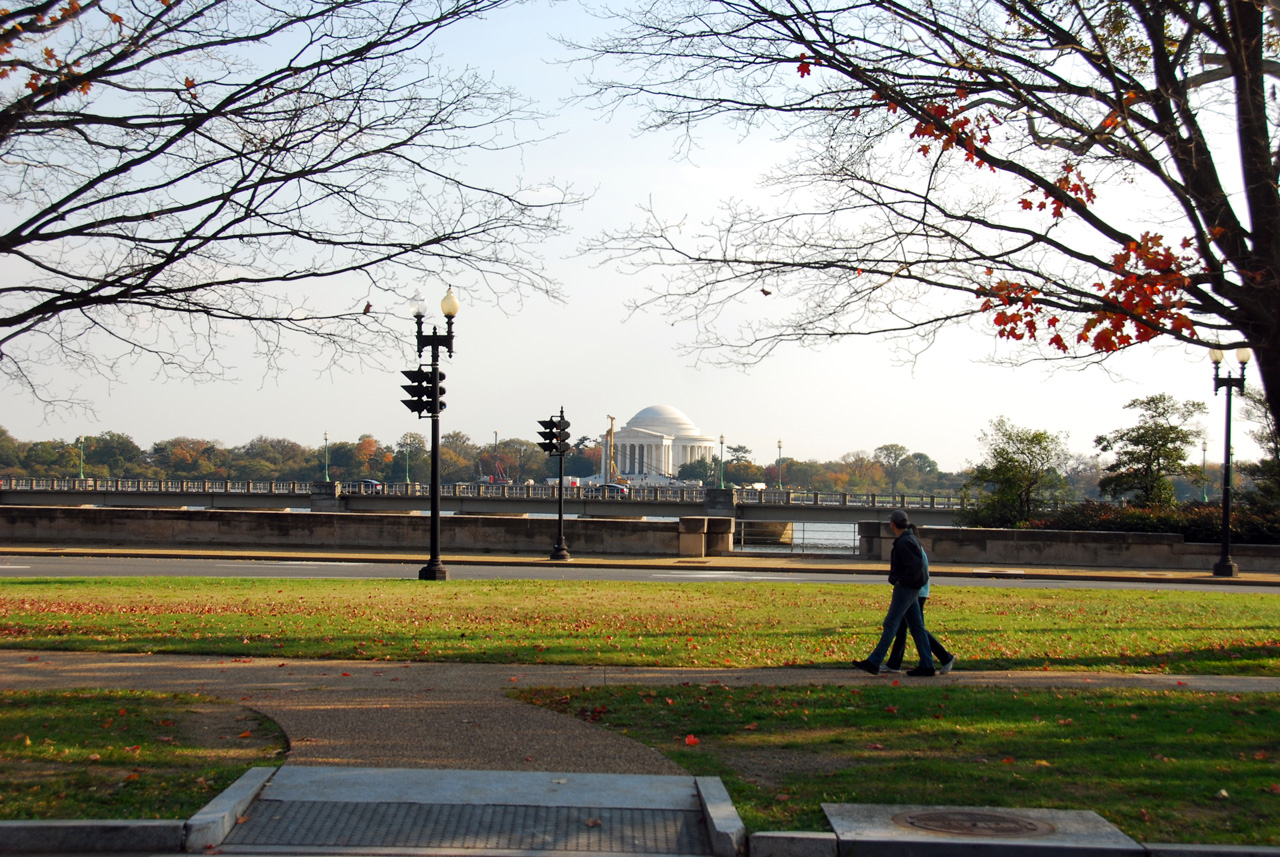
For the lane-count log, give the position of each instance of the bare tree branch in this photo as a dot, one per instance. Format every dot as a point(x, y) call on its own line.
point(1065, 170)
point(175, 171)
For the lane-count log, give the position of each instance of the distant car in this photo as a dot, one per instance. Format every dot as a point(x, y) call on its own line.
point(371, 486)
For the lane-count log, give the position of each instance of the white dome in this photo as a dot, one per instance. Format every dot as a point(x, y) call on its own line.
point(663, 419)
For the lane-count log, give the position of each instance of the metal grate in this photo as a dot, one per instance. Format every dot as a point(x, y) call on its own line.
point(332, 824)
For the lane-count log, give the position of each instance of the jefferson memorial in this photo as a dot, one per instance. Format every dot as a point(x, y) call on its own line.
point(654, 444)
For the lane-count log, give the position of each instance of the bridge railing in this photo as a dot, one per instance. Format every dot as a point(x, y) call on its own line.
point(154, 486)
point(537, 491)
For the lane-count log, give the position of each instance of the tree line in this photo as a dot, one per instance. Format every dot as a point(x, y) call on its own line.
point(1023, 472)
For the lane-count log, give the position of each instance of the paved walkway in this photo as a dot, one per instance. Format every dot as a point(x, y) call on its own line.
point(447, 715)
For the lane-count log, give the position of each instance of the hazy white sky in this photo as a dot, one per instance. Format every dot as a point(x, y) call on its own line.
point(511, 370)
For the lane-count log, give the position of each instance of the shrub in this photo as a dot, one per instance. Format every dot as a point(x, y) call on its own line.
point(1196, 522)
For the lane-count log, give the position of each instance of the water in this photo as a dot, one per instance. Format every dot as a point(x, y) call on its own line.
point(819, 538)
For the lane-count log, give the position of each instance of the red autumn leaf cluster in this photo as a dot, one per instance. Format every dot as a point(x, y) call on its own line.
point(1146, 297)
point(952, 129)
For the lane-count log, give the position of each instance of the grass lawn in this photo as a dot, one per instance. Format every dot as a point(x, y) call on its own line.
point(1168, 766)
point(1154, 763)
point(684, 624)
point(124, 754)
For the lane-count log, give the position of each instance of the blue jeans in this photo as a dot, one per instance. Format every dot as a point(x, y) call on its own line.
point(905, 604)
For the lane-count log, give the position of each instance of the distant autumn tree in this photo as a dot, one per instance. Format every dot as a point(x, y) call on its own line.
point(895, 460)
point(175, 172)
point(1083, 175)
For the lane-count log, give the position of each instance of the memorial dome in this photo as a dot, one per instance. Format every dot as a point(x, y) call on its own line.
point(664, 420)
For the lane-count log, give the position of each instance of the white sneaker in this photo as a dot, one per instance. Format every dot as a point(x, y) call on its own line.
point(946, 668)
point(885, 669)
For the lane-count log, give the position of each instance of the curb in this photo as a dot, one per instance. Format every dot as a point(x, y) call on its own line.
point(208, 827)
point(90, 836)
point(204, 830)
point(797, 843)
point(728, 833)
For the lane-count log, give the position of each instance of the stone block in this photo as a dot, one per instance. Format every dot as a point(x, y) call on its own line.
point(886, 830)
point(724, 825)
point(693, 525)
point(792, 843)
point(693, 544)
point(87, 836)
point(208, 827)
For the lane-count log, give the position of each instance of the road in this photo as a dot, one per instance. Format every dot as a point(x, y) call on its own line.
point(86, 566)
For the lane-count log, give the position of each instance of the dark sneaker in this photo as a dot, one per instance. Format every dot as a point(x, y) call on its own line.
point(867, 667)
point(885, 669)
point(946, 668)
point(922, 671)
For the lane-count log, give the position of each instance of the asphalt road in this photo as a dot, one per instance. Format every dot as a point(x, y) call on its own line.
point(83, 566)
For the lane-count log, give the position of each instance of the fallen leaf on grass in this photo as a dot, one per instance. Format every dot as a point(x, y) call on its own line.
point(875, 746)
point(245, 734)
point(691, 741)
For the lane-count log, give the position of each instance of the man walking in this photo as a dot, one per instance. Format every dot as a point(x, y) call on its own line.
point(908, 574)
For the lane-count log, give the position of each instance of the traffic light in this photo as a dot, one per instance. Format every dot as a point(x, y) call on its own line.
point(426, 394)
point(439, 391)
point(555, 435)
point(419, 391)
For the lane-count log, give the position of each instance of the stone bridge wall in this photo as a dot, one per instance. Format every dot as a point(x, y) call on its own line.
point(978, 546)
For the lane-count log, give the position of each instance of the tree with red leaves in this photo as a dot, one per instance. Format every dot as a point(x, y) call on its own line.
point(1079, 176)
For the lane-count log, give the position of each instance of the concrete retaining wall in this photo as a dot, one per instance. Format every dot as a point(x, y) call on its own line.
point(977, 546)
point(337, 530)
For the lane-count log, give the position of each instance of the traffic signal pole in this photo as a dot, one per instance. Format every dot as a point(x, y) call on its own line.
point(425, 396)
point(555, 441)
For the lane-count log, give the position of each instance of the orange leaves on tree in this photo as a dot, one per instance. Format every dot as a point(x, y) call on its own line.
point(1147, 293)
point(1072, 183)
point(1145, 298)
point(948, 125)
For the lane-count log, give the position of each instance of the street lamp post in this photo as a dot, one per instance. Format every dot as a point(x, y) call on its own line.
point(779, 465)
point(434, 569)
point(1204, 471)
point(326, 456)
point(80, 443)
point(1225, 567)
point(721, 462)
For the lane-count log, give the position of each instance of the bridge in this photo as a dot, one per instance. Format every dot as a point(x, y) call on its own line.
point(779, 505)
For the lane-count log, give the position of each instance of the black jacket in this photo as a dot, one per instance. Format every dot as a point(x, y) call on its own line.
point(906, 562)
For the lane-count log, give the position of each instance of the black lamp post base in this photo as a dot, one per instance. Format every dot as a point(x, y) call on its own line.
point(560, 553)
point(1226, 569)
point(433, 570)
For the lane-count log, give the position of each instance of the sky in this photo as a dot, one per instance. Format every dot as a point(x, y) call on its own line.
point(590, 357)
